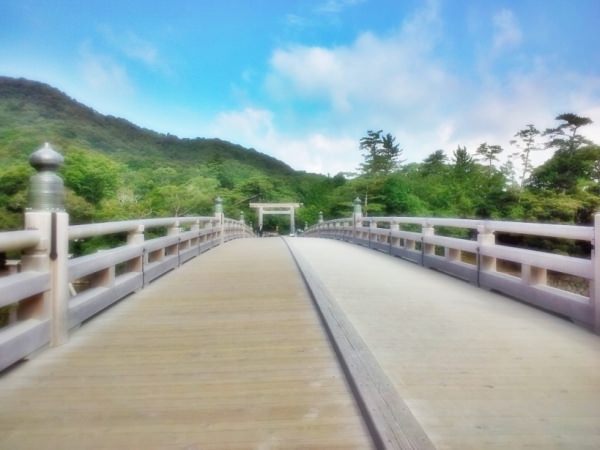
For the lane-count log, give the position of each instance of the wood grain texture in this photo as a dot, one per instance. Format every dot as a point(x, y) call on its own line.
point(225, 353)
point(478, 370)
point(391, 422)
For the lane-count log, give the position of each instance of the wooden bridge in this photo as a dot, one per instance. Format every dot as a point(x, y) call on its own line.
point(208, 337)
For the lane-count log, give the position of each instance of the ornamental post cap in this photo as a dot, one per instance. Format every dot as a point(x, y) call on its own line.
point(46, 188)
point(46, 158)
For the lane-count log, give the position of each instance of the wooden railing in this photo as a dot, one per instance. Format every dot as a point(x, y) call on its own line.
point(527, 275)
point(32, 291)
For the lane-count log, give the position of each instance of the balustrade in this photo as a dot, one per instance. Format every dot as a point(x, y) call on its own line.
point(482, 261)
point(52, 293)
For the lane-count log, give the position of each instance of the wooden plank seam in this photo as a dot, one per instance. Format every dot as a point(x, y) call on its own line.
point(387, 417)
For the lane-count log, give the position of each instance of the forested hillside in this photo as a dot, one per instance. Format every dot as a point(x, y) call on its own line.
point(116, 170)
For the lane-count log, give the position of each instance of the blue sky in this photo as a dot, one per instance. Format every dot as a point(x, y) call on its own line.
point(304, 80)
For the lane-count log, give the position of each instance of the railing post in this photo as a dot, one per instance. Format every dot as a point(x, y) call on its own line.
point(220, 218)
point(486, 237)
point(242, 225)
point(428, 230)
point(320, 216)
point(356, 216)
point(595, 288)
point(452, 254)
point(46, 213)
point(372, 235)
point(136, 237)
point(207, 236)
point(532, 275)
point(196, 228)
point(394, 241)
point(174, 229)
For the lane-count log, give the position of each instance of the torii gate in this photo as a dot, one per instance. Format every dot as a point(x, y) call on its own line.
point(276, 208)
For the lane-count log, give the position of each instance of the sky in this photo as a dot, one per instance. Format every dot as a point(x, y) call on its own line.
point(304, 80)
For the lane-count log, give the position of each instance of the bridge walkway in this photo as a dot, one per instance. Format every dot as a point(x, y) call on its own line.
point(477, 370)
point(226, 352)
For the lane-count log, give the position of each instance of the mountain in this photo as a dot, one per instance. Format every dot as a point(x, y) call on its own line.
point(33, 112)
point(116, 170)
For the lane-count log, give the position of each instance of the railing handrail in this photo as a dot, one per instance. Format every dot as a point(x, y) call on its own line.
point(104, 228)
point(560, 231)
point(18, 240)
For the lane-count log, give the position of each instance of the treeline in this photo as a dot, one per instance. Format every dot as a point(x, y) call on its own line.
point(114, 170)
point(564, 189)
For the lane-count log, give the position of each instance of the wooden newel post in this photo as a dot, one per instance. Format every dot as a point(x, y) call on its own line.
point(595, 288)
point(46, 213)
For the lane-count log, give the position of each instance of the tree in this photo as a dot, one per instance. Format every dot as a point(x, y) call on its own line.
point(526, 142)
point(434, 163)
point(390, 154)
point(573, 161)
point(91, 175)
point(370, 145)
point(381, 153)
point(488, 153)
point(565, 136)
point(568, 171)
point(462, 161)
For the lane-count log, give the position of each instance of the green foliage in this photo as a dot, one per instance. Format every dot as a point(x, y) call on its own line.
point(381, 153)
point(115, 171)
point(489, 153)
point(565, 136)
point(91, 175)
point(526, 142)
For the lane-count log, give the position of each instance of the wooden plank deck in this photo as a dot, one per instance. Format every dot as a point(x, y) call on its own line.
point(226, 352)
point(477, 370)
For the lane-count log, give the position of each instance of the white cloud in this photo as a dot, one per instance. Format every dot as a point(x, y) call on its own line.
point(386, 74)
point(138, 49)
point(135, 48)
point(400, 83)
point(506, 30)
point(102, 74)
point(314, 152)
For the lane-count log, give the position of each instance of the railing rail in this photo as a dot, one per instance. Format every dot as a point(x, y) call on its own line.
point(98, 229)
point(534, 276)
point(17, 240)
